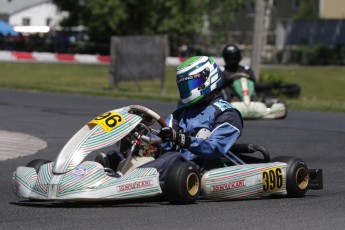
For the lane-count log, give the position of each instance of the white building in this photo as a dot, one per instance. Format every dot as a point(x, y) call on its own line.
point(30, 16)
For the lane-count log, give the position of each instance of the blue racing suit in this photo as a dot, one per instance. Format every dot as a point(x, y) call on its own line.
point(219, 117)
point(214, 114)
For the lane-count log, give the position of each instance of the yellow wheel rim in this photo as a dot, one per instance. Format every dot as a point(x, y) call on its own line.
point(193, 184)
point(302, 178)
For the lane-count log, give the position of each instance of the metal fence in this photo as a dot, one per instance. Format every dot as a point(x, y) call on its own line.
point(137, 58)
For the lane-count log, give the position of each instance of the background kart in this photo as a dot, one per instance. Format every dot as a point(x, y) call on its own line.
point(242, 94)
point(129, 130)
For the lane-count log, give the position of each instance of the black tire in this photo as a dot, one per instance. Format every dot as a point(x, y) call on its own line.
point(182, 183)
point(37, 163)
point(269, 101)
point(290, 90)
point(297, 175)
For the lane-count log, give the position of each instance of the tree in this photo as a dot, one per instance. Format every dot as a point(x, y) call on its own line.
point(307, 10)
point(177, 18)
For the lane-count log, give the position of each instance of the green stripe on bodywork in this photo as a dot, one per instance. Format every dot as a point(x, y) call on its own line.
point(238, 88)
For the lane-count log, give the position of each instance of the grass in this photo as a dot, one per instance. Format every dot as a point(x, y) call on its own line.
point(322, 87)
point(80, 79)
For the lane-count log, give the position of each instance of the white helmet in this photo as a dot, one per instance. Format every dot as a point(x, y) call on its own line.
point(196, 77)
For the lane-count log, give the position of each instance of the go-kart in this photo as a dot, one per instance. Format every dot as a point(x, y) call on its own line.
point(241, 93)
point(238, 174)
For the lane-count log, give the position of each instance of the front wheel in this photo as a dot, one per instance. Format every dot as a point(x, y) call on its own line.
point(182, 183)
point(297, 175)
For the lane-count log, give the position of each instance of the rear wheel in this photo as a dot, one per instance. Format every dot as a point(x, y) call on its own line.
point(182, 183)
point(37, 163)
point(297, 175)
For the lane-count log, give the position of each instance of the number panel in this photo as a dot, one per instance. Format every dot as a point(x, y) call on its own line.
point(272, 179)
point(108, 121)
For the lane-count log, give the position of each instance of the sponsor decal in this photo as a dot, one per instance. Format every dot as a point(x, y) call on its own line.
point(134, 185)
point(220, 187)
point(79, 171)
point(228, 186)
point(197, 75)
point(237, 184)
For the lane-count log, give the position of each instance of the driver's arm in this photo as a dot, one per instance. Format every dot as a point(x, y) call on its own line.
point(171, 122)
point(226, 131)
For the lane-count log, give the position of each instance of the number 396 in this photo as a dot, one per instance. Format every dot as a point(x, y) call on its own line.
point(272, 179)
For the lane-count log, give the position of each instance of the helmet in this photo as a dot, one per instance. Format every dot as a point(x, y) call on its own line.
point(232, 55)
point(196, 77)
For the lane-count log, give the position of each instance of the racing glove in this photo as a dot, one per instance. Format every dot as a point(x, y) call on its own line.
point(168, 134)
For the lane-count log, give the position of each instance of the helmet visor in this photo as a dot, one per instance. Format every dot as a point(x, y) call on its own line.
point(187, 83)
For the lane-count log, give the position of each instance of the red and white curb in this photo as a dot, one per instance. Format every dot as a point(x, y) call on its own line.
point(14, 56)
point(13, 145)
point(53, 57)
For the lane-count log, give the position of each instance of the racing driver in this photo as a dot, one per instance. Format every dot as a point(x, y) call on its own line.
point(204, 126)
point(232, 57)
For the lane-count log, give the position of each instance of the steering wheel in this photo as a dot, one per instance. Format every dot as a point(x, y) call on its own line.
point(236, 76)
point(149, 117)
point(150, 114)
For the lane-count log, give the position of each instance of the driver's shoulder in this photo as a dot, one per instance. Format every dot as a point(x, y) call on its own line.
point(222, 105)
point(245, 68)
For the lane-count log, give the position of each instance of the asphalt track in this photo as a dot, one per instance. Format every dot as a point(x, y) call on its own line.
point(318, 138)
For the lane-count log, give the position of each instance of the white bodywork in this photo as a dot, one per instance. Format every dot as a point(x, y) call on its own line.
point(245, 181)
point(87, 181)
point(68, 178)
point(256, 110)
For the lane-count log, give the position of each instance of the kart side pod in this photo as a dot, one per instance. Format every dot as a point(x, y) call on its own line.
point(283, 176)
point(245, 181)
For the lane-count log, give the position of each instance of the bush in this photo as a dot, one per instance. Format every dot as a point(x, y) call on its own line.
point(320, 55)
